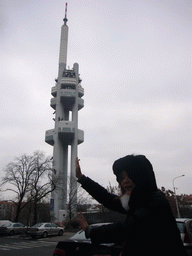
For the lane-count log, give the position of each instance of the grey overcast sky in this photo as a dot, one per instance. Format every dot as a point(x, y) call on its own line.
point(135, 63)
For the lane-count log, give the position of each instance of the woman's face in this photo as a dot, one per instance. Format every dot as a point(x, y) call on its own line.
point(126, 183)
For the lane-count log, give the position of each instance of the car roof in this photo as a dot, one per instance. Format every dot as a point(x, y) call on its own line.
point(100, 224)
point(182, 219)
point(44, 222)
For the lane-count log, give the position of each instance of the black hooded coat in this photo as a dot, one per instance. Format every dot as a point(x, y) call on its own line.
point(150, 227)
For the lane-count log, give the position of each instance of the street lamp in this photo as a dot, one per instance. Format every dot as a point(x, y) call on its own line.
point(174, 188)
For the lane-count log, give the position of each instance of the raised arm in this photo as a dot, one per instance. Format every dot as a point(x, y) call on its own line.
point(98, 192)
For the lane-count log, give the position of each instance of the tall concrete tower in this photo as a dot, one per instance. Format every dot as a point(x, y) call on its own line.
point(65, 137)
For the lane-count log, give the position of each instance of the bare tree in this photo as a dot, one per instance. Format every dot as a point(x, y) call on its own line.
point(30, 178)
point(77, 203)
point(18, 176)
point(170, 195)
point(42, 183)
point(103, 214)
point(112, 190)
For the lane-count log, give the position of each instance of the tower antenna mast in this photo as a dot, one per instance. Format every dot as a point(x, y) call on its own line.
point(65, 19)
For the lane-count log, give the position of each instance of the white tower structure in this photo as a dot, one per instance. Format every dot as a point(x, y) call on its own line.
point(65, 137)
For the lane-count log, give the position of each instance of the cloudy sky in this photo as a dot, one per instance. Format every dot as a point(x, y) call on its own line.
point(135, 63)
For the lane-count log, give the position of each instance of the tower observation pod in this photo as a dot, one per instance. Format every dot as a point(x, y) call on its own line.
point(65, 137)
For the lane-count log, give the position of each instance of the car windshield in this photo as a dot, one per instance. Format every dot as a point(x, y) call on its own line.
point(79, 236)
point(181, 227)
point(6, 225)
point(37, 225)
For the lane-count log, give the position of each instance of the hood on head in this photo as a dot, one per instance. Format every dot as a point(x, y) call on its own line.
point(139, 170)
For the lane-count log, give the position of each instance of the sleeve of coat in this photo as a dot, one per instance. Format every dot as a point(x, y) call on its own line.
point(119, 231)
point(100, 194)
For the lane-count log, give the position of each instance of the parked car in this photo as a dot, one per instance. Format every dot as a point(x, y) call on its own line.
point(78, 244)
point(2, 222)
point(12, 228)
point(185, 227)
point(45, 229)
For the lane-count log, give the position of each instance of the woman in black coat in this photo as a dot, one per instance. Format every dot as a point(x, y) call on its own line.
point(150, 227)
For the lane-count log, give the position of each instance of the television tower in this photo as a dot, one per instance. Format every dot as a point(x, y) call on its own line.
point(65, 137)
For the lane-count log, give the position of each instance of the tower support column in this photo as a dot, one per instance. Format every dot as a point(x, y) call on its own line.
point(67, 101)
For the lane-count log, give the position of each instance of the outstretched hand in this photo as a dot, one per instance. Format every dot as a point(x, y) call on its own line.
point(82, 221)
point(78, 169)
